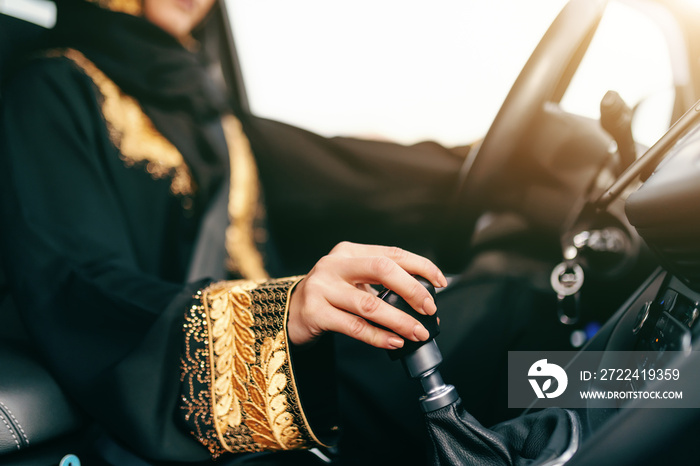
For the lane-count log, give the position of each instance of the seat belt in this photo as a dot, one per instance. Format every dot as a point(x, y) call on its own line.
point(209, 256)
point(209, 253)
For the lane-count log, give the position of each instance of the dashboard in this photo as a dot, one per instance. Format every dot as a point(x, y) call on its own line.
point(655, 334)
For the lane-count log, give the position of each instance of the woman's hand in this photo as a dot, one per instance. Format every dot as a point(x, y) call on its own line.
point(336, 296)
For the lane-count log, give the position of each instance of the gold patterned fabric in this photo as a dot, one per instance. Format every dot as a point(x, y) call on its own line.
point(244, 204)
point(239, 391)
point(141, 144)
point(133, 133)
point(131, 7)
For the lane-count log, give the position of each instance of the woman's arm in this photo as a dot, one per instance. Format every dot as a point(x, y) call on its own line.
point(83, 245)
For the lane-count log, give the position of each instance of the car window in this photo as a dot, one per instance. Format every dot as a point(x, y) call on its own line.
point(41, 12)
point(630, 54)
point(408, 70)
point(404, 70)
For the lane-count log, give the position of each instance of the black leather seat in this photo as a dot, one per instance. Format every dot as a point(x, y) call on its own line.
point(37, 421)
point(33, 409)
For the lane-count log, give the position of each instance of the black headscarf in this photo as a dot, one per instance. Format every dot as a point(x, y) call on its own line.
point(169, 81)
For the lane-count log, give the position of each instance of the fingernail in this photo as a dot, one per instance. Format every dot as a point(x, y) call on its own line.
point(396, 342)
point(429, 306)
point(443, 281)
point(420, 332)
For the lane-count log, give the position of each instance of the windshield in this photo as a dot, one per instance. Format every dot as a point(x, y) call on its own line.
point(395, 69)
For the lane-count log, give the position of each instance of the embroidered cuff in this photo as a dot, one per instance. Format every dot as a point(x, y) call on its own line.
point(239, 392)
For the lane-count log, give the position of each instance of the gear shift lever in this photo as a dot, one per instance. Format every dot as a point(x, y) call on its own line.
point(421, 359)
point(549, 437)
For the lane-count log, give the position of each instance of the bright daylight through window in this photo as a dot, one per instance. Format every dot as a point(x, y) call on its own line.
point(410, 71)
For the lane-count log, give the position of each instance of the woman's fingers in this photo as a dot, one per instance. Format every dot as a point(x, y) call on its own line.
point(384, 271)
point(335, 296)
point(376, 311)
point(358, 328)
point(311, 314)
point(410, 262)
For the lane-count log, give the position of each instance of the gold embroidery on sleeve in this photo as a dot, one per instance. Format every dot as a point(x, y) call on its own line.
point(244, 256)
point(232, 341)
point(133, 133)
point(273, 427)
point(242, 397)
point(195, 371)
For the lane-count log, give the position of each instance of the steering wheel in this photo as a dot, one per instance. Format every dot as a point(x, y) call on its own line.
point(546, 74)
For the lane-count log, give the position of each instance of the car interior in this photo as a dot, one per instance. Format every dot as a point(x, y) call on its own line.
point(602, 226)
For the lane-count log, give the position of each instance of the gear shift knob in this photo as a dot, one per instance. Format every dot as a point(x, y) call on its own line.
point(421, 359)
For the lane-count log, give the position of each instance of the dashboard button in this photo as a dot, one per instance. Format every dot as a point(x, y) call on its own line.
point(668, 300)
